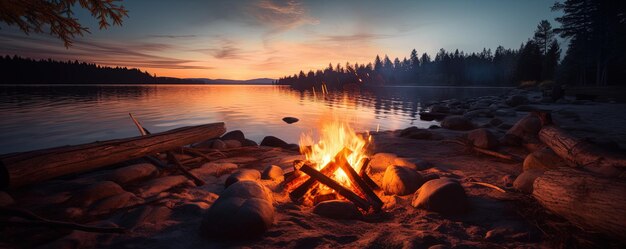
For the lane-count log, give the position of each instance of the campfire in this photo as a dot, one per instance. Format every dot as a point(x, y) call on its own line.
point(336, 167)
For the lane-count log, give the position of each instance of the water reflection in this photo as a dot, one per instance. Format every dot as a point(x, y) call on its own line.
point(36, 117)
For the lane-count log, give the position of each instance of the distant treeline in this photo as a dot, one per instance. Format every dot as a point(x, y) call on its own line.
point(596, 55)
point(18, 70)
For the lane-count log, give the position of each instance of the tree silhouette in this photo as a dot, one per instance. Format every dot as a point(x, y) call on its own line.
point(58, 17)
point(544, 35)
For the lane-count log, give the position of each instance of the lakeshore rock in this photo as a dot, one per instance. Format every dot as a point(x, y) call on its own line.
point(440, 109)
point(516, 100)
point(159, 185)
point(272, 172)
point(416, 133)
point(94, 192)
point(133, 173)
point(526, 127)
point(442, 195)
point(218, 144)
point(399, 180)
point(6, 199)
point(234, 135)
point(380, 161)
point(544, 159)
point(243, 211)
point(243, 175)
point(231, 143)
point(337, 209)
point(457, 123)
point(483, 138)
point(249, 143)
point(213, 169)
point(524, 182)
point(272, 141)
point(290, 120)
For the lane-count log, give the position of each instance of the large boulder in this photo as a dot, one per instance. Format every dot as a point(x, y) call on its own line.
point(525, 129)
point(272, 141)
point(543, 159)
point(234, 135)
point(337, 209)
point(243, 175)
point(243, 211)
point(380, 161)
point(399, 180)
point(457, 123)
point(524, 182)
point(272, 172)
point(442, 195)
point(483, 138)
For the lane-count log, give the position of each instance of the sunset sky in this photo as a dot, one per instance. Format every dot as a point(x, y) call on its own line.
point(262, 38)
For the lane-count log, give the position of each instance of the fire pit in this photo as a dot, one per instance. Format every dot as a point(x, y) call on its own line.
point(336, 167)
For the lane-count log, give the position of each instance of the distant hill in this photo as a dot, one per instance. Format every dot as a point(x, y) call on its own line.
point(18, 70)
point(259, 81)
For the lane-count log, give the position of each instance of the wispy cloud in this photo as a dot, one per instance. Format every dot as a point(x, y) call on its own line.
point(226, 49)
point(129, 54)
point(172, 36)
point(281, 16)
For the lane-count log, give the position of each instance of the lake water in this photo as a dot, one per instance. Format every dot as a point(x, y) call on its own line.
point(35, 117)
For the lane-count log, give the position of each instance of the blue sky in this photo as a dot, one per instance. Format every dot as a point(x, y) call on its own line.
point(263, 38)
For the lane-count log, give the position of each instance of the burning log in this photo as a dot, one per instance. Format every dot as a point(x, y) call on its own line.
point(330, 168)
point(366, 177)
point(360, 184)
point(587, 201)
point(578, 152)
point(295, 177)
point(351, 196)
point(21, 169)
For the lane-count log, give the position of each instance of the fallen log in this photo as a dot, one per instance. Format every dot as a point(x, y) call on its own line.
point(341, 190)
point(590, 202)
point(578, 152)
point(19, 169)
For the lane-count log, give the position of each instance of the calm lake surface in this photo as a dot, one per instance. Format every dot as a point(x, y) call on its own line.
point(42, 116)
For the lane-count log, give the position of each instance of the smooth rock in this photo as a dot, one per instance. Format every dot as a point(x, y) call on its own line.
point(213, 169)
point(248, 143)
point(337, 209)
point(290, 120)
point(112, 203)
point(273, 142)
point(133, 173)
point(442, 195)
point(243, 175)
point(272, 172)
point(505, 113)
point(412, 163)
point(483, 138)
point(526, 127)
point(6, 199)
point(524, 182)
point(159, 185)
point(94, 192)
point(244, 210)
point(231, 143)
point(380, 161)
point(457, 123)
point(399, 180)
point(516, 100)
point(234, 135)
point(218, 144)
point(544, 159)
point(440, 108)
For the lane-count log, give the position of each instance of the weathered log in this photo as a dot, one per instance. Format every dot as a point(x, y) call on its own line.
point(341, 190)
point(360, 184)
point(19, 169)
point(578, 152)
point(590, 202)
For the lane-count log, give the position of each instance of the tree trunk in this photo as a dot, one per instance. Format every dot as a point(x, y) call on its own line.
point(19, 169)
point(578, 152)
point(587, 201)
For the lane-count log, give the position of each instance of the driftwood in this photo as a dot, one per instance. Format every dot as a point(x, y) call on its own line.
point(366, 177)
point(170, 155)
point(468, 145)
point(360, 184)
point(341, 190)
point(32, 219)
point(590, 202)
point(21, 169)
point(578, 152)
